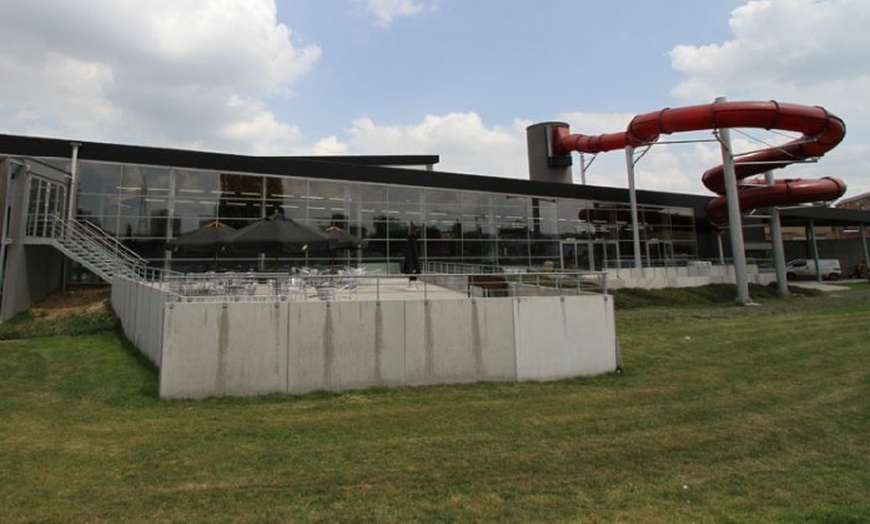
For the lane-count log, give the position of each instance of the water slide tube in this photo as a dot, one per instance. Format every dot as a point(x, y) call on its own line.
point(821, 130)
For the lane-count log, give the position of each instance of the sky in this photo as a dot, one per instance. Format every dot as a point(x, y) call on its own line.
point(461, 79)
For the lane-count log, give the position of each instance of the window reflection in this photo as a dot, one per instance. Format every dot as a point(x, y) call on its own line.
point(139, 203)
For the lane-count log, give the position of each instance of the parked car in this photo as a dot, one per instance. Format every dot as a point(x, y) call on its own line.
point(806, 268)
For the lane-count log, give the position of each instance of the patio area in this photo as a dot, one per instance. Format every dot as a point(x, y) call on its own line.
point(356, 284)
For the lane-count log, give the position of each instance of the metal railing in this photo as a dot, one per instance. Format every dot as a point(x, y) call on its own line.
point(95, 249)
point(356, 284)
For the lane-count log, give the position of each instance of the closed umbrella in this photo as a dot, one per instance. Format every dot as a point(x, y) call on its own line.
point(411, 261)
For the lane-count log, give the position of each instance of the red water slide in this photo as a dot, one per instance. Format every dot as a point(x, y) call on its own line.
point(821, 130)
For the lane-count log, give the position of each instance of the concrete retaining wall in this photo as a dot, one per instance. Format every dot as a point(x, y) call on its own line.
point(258, 348)
point(254, 348)
point(690, 276)
point(140, 308)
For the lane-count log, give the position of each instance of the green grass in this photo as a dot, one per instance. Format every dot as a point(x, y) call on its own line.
point(723, 414)
point(30, 325)
point(714, 294)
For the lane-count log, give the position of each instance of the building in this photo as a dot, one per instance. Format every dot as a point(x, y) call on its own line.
point(144, 197)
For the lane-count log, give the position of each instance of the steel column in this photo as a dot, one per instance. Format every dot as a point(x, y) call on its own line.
point(632, 197)
point(776, 239)
point(735, 225)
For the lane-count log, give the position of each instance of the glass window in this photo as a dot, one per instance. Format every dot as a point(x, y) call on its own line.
point(241, 199)
point(545, 218)
point(196, 198)
point(512, 217)
point(289, 195)
point(98, 197)
point(327, 204)
point(406, 206)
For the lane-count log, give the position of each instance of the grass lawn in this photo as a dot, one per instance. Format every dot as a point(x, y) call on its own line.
point(723, 414)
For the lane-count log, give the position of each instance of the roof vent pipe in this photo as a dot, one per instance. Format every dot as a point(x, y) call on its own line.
point(545, 165)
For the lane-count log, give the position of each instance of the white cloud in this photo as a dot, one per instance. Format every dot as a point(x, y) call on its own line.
point(463, 141)
point(329, 146)
point(814, 52)
point(388, 10)
point(173, 73)
point(796, 48)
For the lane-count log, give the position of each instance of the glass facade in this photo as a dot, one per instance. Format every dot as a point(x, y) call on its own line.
point(147, 206)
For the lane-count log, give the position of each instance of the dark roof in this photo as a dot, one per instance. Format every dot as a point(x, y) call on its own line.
point(823, 216)
point(857, 198)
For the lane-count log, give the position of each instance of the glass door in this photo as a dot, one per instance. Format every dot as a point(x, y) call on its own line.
point(47, 200)
point(577, 255)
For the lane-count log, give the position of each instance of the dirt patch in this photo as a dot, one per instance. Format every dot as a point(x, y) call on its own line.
point(75, 301)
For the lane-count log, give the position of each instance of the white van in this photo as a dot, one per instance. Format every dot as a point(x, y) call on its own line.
point(806, 268)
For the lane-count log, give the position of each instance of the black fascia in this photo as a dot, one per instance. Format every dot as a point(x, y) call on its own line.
point(62, 148)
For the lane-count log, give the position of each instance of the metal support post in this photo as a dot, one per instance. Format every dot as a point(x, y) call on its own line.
point(735, 226)
point(170, 219)
point(71, 204)
point(814, 246)
point(632, 197)
point(864, 245)
point(73, 182)
point(776, 240)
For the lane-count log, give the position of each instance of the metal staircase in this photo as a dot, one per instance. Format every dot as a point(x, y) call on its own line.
point(95, 249)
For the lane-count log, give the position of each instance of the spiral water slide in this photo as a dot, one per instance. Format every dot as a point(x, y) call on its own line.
point(821, 131)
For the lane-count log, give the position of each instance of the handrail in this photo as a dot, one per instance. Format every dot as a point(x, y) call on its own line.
point(108, 240)
point(253, 286)
point(93, 236)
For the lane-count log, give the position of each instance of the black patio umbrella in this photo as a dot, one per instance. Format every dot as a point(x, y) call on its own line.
point(341, 239)
point(209, 238)
point(276, 235)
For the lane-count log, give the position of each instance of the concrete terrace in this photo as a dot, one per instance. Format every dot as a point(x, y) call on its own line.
point(234, 336)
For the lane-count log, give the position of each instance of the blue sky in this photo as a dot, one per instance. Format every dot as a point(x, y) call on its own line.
point(502, 60)
point(457, 78)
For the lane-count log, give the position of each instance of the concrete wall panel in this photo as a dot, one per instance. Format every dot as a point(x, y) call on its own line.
point(224, 349)
point(492, 323)
point(438, 343)
point(363, 349)
point(192, 349)
point(346, 345)
point(307, 360)
point(388, 338)
point(556, 338)
point(252, 351)
point(140, 308)
point(459, 341)
point(593, 325)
